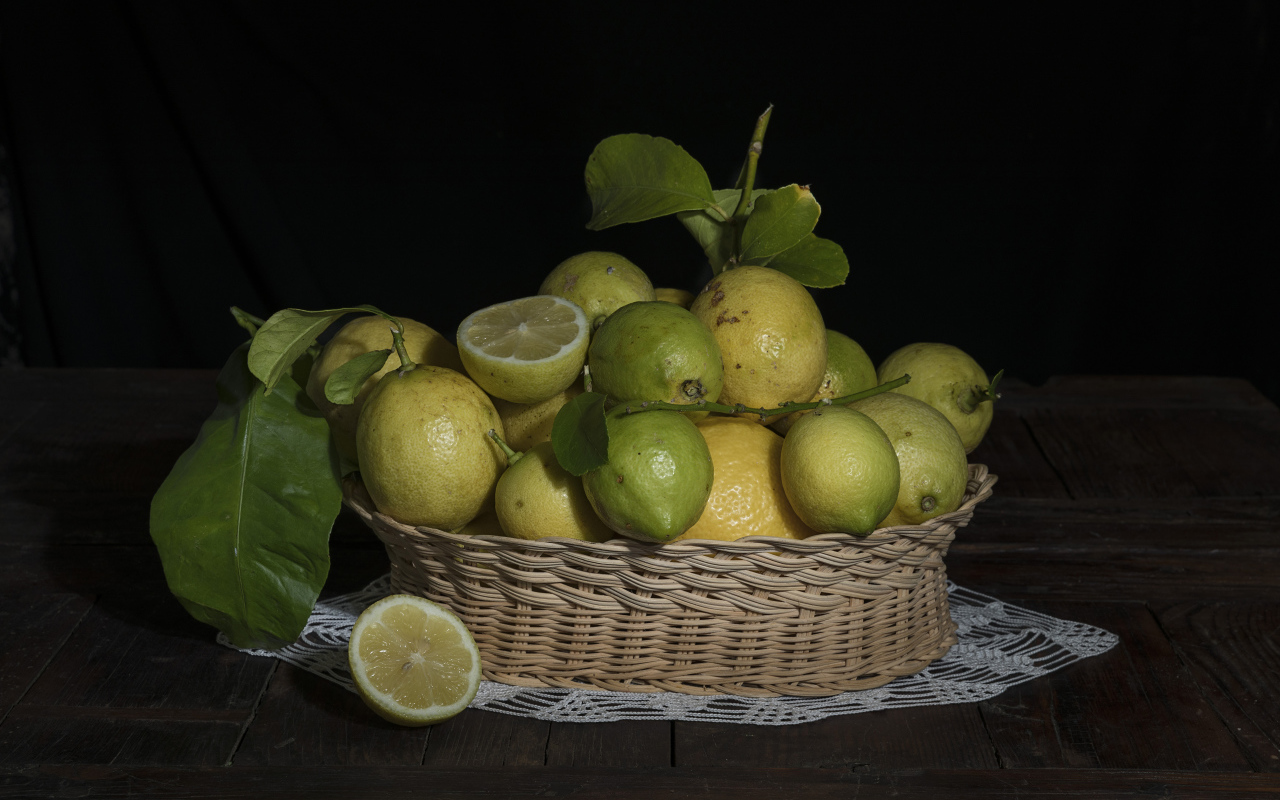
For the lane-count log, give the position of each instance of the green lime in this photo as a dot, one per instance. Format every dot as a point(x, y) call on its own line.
point(658, 477)
point(655, 351)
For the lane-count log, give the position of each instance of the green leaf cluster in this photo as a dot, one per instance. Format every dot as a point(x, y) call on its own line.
point(242, 521)
point(635, 177)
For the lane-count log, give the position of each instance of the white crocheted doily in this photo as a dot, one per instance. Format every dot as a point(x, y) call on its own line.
point(1000, 646)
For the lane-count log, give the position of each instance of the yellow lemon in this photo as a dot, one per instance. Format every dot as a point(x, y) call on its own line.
point(364, 335)
point(600, 282)
point(680, 297)
point(947, 378)
point(747, 498)
point(839, 471)
point(771, 336)
point(849, 370)
point(930, 456)
point(537, 497)
point(526, 424)
point(425, 454)
point(413, 662)
point(525, 350)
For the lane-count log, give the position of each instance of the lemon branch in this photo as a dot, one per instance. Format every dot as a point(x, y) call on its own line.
point(746, 182)
point(764, 413)
point(976, 395)
point(397, 341)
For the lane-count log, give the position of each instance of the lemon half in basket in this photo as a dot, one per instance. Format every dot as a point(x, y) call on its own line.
point(413, 662)
point(525, 350)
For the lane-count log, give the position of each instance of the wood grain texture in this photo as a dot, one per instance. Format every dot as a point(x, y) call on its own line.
point(1233, 652)
point(33, 628)
point(1136, 706)
point(1010, 451)
point(487, 740)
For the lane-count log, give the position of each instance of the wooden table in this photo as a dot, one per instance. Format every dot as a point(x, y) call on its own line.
point(1147, 506)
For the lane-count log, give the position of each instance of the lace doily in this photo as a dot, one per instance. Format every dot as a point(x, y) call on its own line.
point(1000, 646)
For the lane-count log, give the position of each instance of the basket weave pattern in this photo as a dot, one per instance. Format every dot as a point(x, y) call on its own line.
point(758, 617)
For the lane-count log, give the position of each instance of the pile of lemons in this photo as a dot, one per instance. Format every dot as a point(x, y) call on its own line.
point(461, 442)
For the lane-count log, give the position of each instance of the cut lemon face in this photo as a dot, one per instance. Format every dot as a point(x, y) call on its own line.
point(525, 350)
point(413, 662)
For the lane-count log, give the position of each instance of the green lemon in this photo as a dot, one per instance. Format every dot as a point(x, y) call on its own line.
point(849, 370)
point(600, 282)
point(930, 456)
point(839, 471)
point(947, 378)
point(657, 479)
point(656, 351)
point(425, 454)
point(536, 497)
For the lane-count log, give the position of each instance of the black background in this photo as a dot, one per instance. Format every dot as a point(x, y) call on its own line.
point(1056, 188)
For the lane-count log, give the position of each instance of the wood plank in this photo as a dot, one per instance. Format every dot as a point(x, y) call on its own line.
point(1233, 651)
point(131, 651)
point(487, 740)
point(1031, 572)
point(1121, 452)
point(1137, 391)
point(629, 744)
point(1133, 707)
point(305, 719)
point(318, 783)
point(97, 739)
point(33, 629)
point(1010, 452)
point(876, 740)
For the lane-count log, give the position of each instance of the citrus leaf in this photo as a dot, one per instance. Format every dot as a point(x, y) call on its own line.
point(816, 262)
point(779, 220)
point(632, 177)
point(242, 521)
point(288, 334)
point(346, 381)
point(710, 226)
point(579, 436)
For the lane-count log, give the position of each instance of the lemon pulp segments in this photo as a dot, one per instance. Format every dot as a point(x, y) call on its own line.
point(525, 350)
point(413, 662)
point(528, 329)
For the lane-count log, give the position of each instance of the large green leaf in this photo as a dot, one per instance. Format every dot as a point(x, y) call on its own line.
point(286, 335)
point(242, 521)
point(579, 436)
point(633, 177)
point(710, 226)
point(816, 262)
point(778, 221)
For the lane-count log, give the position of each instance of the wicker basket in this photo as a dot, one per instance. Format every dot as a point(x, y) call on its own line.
point(758, 617)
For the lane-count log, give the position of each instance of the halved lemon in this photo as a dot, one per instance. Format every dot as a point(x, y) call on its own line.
point(413, 662)
point(525, 350)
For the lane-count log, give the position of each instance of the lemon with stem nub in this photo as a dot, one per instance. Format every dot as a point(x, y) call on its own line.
point(930, 454)
point(947, 378)
point(839, 471)
point(364, 335)
point(525, 350)
point(413, 662)
point(536, 498)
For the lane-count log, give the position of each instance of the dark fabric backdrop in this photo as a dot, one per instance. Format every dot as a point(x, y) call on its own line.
point(1056, 188)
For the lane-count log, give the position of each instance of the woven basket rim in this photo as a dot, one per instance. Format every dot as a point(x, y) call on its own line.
point(979, 488)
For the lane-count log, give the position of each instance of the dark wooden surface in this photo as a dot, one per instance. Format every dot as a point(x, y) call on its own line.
point(1147, 506)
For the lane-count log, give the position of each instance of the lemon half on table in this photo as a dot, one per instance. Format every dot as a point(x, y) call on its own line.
point(525, 350)
point(413, 662)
